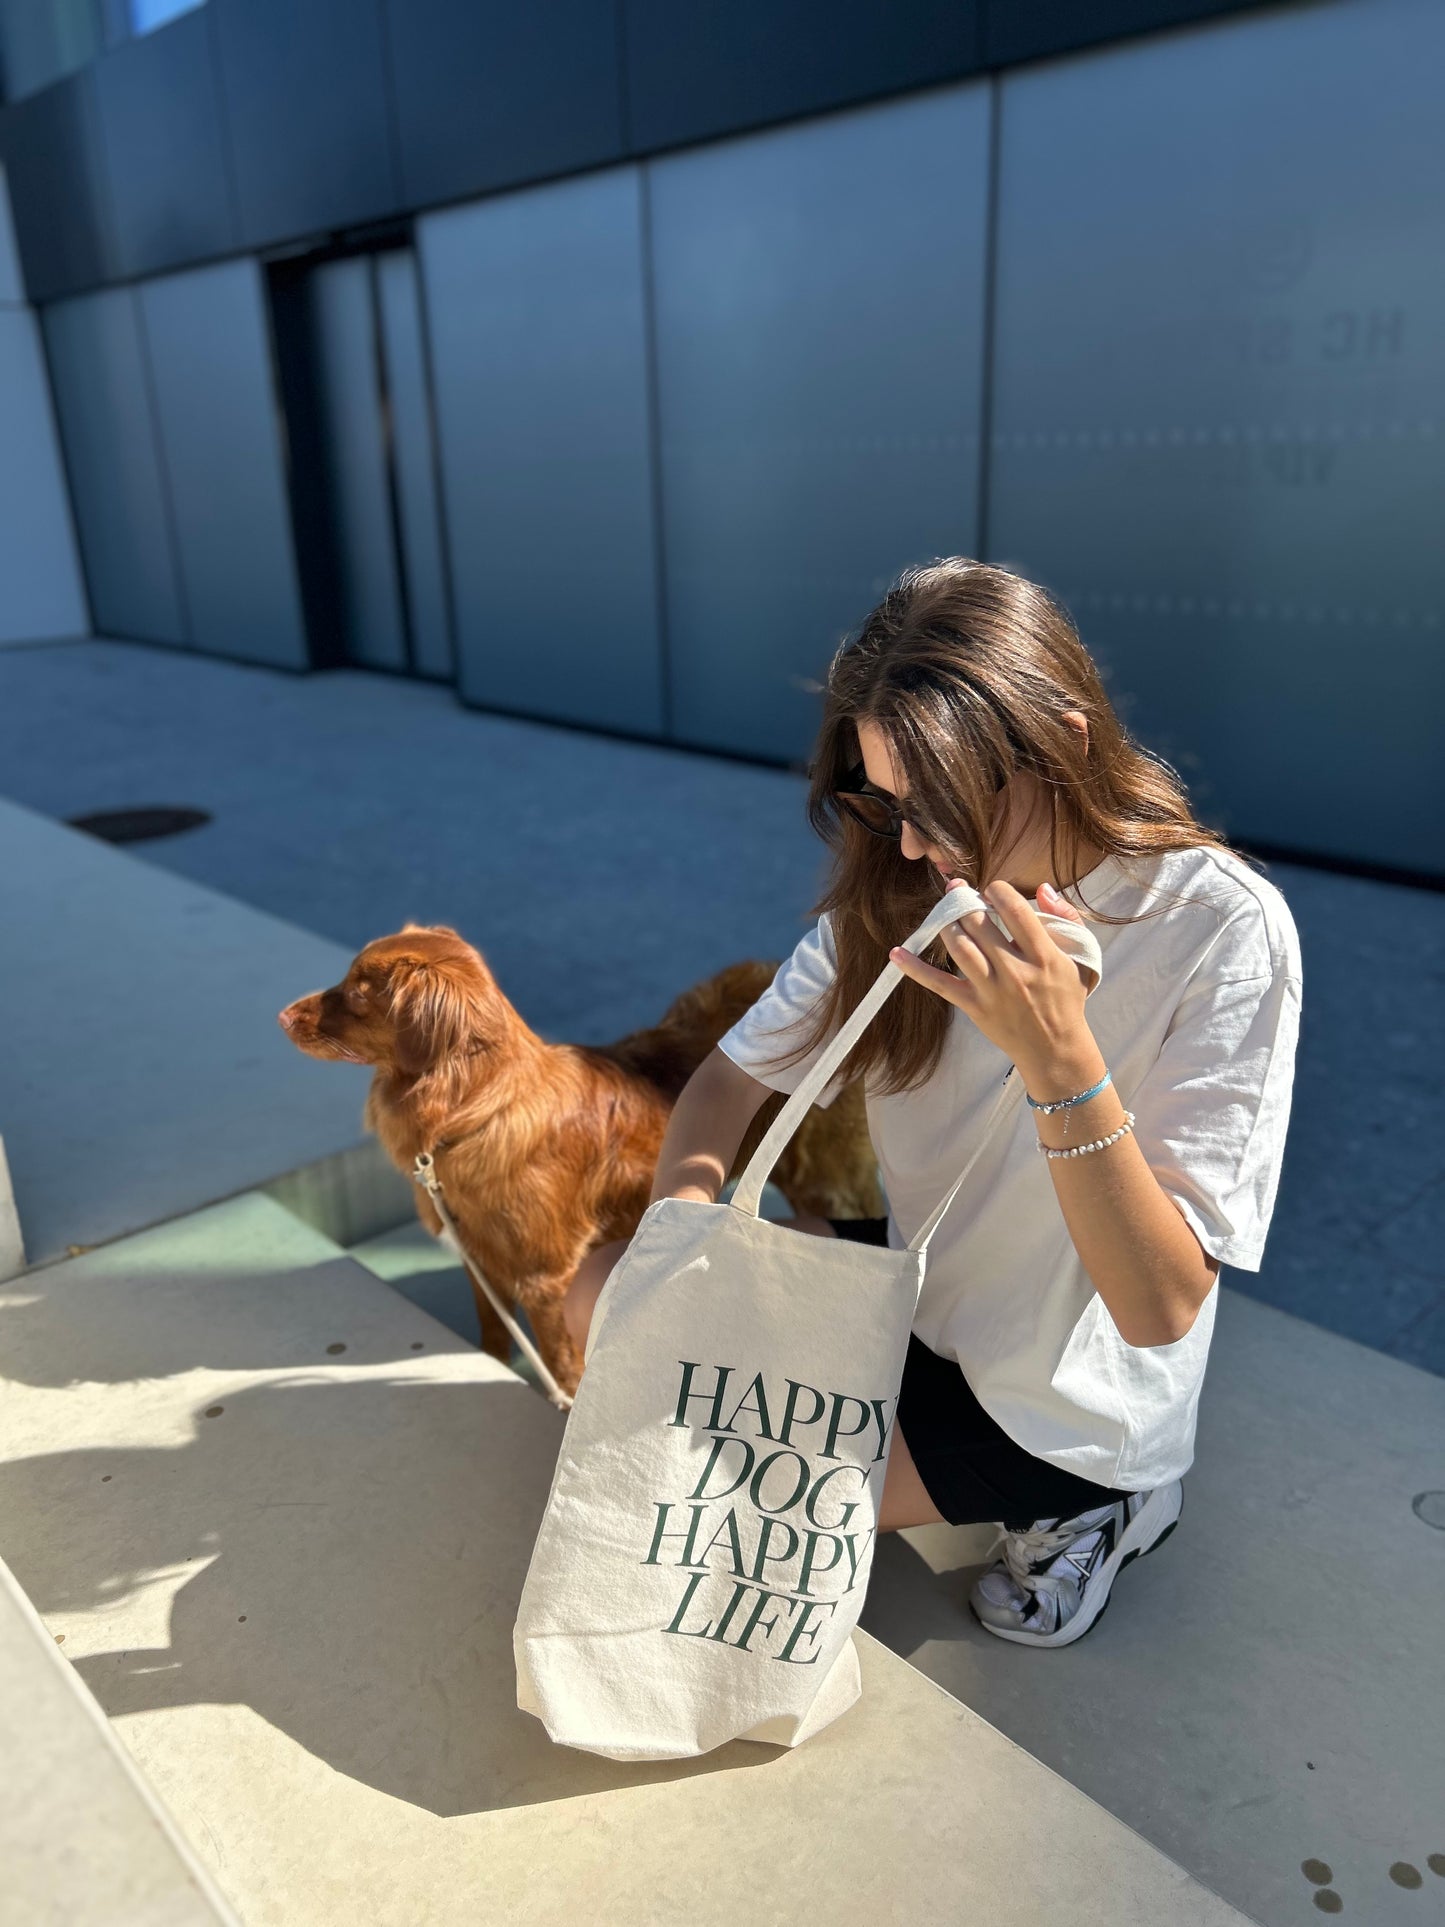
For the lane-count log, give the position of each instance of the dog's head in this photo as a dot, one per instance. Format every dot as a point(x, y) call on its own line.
point(413, 1003)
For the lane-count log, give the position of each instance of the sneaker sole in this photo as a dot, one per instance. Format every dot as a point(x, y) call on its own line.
point(1140, 1528)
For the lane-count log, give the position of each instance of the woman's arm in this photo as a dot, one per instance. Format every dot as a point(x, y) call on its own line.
point(713, 1110)
point(1141, 1255)
point(1027, 997)
point(704, 1130)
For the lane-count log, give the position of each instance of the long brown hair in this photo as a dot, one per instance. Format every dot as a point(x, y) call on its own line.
point(967, 669)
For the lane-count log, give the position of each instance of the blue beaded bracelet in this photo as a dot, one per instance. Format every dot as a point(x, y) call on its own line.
point(1066, 1103)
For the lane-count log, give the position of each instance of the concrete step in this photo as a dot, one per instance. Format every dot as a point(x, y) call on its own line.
point(84, 1841)
point(1264, 1690)
point(281, 1517)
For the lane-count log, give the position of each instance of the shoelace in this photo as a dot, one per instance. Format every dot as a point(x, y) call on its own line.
point(1038, 1545)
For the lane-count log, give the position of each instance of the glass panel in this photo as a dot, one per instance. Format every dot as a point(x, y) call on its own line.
point(147, 15)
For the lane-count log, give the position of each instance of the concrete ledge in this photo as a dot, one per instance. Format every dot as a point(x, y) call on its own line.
point(351, 1196)
point(84, 1842)
point(282, 1517)
point(149, 1075)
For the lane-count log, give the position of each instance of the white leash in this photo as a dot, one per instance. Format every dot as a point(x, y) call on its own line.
point(424, 1173)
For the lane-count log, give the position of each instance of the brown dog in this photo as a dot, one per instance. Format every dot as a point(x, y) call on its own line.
point(546, 1150)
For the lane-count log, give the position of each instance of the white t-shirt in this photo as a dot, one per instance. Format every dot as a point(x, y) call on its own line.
point(1197, 1017)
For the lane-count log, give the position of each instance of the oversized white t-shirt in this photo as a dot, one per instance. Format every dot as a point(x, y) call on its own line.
point(1197, 1017)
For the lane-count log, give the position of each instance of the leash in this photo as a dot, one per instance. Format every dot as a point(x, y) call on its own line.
point(424, 1174)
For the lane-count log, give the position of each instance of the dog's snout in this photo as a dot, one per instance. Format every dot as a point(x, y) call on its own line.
point(287, 1017)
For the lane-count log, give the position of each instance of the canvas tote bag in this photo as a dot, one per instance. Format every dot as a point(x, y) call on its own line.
point(709, 1532)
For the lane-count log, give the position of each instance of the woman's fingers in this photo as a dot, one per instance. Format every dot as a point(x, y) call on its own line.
point(968, 949)
point(1021, 917)
point(944, 982)
point(1058, 906)
point(975, 927)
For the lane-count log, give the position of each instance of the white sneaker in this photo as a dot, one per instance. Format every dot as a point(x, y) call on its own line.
point(1054, 1578)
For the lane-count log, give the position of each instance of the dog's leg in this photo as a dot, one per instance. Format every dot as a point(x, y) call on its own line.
point(495, 1338)
point(492, 1335)
point(549, 1328)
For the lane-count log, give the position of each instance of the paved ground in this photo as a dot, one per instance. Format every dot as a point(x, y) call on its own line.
point(599, 876)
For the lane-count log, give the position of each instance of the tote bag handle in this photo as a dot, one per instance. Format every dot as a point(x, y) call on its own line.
point(747, 1195)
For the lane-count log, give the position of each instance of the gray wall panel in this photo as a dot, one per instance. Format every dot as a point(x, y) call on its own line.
point(1218, 430)
point(305, 88)
point(819, 335)
point(1017, 30)
point(487, 96)
point(40, 592)
point(107, 426)
point(535, 308)
point(220, 432)
point(53, 151)
point(717, 66)
point(160, 108)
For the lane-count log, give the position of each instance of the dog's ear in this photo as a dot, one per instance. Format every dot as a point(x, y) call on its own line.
point(435, 1014)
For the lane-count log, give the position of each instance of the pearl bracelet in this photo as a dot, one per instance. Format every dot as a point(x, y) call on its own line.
point(1098, 1144)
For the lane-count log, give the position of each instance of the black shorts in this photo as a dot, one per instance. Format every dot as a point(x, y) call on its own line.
point(970, 1467)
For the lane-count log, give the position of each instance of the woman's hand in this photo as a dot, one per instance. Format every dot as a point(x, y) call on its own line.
point(1027, 997)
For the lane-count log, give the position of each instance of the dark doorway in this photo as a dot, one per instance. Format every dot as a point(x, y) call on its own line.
point(356, 389)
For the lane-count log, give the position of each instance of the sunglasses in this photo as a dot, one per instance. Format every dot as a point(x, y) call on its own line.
point(879, 812)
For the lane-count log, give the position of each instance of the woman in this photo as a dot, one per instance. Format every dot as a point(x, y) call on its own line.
point(1059, 1344)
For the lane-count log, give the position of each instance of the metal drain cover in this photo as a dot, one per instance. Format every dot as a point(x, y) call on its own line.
point(138, 826)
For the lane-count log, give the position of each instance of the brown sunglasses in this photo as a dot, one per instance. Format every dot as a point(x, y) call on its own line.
point(879, 812)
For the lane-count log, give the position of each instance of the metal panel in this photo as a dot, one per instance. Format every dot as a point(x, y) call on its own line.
point(52, 149)
point(43, 40)
point(1218, 430)
point(1018, 30)
point(716, 66)
point(819, 335)
point(12, 288)
point(97, 362)
point(305, 90)
point(220, 433)
point(38, 566)
point(413, 456)
point(535, 309)
point(487, 96)
point(161, 111)
point(353, 442)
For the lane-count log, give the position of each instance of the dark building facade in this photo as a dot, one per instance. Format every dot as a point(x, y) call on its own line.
point(607, 358)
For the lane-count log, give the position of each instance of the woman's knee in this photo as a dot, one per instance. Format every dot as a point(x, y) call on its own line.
point(906, 1500)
